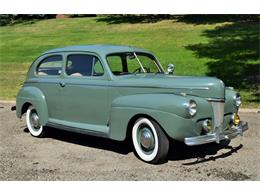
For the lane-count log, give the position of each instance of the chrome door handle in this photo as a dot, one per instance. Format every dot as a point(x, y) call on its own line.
point(62, 84)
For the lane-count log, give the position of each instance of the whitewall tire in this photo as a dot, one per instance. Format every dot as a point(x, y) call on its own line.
point(149, 140)
point(33, 123)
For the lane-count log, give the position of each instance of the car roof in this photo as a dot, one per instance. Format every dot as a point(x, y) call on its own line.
point(100, 49)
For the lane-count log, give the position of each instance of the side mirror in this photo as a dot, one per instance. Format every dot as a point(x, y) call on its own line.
point(170, 69)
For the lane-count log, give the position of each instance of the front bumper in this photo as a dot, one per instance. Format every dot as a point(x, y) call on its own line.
point(217, 136)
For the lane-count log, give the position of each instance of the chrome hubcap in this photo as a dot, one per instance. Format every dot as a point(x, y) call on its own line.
point(35, 120)
point(147, 139)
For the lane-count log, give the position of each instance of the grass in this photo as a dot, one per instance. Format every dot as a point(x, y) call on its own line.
point(20, 44)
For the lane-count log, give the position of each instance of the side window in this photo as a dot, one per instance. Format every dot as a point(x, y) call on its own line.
point(97, 67)
point(51, 65)
point(115, 64)
point(83, 65)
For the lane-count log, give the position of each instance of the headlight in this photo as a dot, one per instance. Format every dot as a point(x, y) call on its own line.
point(237, 100)
point(192, 107)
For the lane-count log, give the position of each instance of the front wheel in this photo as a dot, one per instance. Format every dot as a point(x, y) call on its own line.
point(33, 123)
point(150, 142)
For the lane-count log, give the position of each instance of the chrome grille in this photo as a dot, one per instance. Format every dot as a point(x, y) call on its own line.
point(218, 110)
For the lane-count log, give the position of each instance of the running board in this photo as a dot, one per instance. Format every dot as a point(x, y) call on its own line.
point(77, 130)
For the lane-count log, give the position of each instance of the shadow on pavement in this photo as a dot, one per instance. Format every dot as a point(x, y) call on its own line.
point(88, 141)
point(177, 151)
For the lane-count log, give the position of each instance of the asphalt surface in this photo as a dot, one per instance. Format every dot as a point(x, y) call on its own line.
point(63, 155)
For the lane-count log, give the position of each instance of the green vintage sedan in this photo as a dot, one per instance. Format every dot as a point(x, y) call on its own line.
point(121, 92)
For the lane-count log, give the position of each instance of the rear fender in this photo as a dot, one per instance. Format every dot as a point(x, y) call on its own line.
point(35, 97)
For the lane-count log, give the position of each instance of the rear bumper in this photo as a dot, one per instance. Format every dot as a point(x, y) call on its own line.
point(216, 137)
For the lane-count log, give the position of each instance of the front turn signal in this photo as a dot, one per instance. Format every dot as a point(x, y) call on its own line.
point(235, 119)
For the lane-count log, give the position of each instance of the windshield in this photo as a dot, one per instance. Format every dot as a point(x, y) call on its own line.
point(133, 63)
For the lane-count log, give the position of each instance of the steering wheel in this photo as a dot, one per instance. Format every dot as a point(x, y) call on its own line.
point(139, 70)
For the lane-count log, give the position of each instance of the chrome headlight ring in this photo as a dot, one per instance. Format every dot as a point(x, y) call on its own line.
point(237, 100)
point(192, 108)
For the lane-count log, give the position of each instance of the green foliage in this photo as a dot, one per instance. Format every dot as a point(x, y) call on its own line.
point(6, 19)
point(11, 19)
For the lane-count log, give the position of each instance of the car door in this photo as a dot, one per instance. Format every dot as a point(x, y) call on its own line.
point(84, 92)
point(48, 74)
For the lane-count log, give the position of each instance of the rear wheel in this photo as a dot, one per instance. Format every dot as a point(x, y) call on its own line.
point(33, 123)
point(150, 142)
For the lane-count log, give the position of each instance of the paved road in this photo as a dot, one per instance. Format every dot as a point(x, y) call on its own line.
point(70, 156)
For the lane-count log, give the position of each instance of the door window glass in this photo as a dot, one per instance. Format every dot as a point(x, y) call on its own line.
point(83, 65)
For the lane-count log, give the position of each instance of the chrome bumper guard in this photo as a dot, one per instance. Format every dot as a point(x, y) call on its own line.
point(216, 137)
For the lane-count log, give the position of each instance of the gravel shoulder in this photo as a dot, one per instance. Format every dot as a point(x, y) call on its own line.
point(70, 156)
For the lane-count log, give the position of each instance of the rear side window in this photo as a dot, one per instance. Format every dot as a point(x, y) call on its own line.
point(50, 66)
point(83, 65)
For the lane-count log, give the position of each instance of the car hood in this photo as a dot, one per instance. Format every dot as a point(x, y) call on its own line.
point(208, 87)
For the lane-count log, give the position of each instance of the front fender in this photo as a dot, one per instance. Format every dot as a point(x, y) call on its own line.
point(164, 102)
point(169, 110)
point(34, 96)
point(229, 101)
